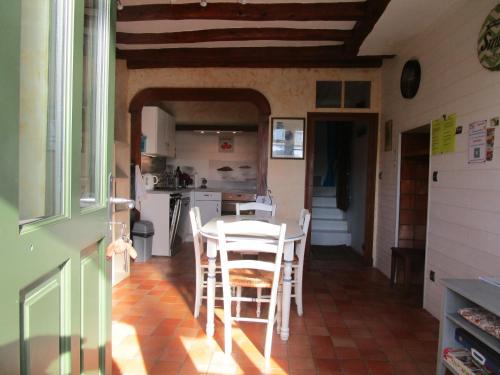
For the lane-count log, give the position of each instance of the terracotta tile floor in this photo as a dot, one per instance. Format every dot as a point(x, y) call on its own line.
point(353, 323)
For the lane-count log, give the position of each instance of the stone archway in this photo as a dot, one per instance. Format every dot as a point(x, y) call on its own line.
point(153, 96)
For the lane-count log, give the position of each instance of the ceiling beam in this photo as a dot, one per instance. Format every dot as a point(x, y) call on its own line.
point(338, 11)
point(249, 57)
point(363, 27)
point(233, 34)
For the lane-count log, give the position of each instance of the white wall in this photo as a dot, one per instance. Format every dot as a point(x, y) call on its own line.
point(196, 150)
point(355, 215)
point(464, 215)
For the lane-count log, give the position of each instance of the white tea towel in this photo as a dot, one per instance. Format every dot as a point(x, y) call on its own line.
point(266, 199)
point(140, 188)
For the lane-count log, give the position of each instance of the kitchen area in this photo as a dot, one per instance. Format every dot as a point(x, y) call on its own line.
point(202, 154)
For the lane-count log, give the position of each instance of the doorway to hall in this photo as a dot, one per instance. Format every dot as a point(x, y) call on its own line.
point(340, 183)
point(412, 211)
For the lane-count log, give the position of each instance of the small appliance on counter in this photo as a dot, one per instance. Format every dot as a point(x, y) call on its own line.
point(150, 180)
point(203, 183)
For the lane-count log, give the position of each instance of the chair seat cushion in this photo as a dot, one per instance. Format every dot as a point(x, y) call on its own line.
point(250, 278)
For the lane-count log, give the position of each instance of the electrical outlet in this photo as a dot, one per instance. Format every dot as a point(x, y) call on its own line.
point(432, 275)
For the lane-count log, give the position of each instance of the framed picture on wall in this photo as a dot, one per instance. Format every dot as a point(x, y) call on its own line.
point(388, 136)
point(287, 138)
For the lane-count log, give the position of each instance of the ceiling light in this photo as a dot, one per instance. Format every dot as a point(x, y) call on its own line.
point(242, 1)
point(119, 5)
point(203, 3)
point(202, 132)
point(218, 131)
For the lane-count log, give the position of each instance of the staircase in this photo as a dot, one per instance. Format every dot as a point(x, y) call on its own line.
point(328, 227)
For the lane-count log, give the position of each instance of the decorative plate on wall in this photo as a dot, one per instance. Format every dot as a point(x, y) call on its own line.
point(410, 79)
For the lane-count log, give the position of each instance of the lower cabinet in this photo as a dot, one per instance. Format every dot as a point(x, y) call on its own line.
point(482, 346)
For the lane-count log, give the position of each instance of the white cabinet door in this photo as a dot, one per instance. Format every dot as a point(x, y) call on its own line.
point(162, 121)
point(149, 128)
point(208, 210)
point(170, 136)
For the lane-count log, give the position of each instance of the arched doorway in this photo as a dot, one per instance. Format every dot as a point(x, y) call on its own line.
point(153, 96)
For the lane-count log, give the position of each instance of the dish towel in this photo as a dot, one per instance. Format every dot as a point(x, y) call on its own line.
point(140, 188)
point(119, 246)
point(266, 199)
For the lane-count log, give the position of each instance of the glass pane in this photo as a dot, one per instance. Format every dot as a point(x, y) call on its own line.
point(328, 94)
point(90, 181)
point(357, 94)
point(41, 128)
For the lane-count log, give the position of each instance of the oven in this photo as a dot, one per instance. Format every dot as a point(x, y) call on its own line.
point(229, 200)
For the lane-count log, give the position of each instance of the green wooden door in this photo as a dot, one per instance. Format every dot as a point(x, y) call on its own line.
point(56, 106)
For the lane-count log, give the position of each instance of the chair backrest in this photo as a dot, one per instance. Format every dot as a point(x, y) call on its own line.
point(195, 218)
point(251, 236)
point(256, 206)
point(304, 220)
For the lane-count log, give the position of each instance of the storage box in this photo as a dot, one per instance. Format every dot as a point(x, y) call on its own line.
point(142, 233)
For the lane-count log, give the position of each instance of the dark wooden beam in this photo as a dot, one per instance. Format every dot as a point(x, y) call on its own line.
point(249, 57)
point(245, 12)
point(212, 128)
point(374, 9)
point(233, 34)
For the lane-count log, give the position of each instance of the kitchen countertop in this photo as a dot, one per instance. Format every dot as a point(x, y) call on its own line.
point(211, 190)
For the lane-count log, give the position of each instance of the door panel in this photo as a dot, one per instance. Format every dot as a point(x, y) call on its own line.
point(41, 346)
point(56, 297)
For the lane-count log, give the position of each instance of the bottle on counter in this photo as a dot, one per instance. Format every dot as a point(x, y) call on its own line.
point(178, 174)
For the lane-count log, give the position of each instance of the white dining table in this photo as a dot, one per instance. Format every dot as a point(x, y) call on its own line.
point(293, 233)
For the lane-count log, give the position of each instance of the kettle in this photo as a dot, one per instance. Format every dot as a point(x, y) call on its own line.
point(150, 181)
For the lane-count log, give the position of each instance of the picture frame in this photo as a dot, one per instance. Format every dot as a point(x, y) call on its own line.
point(287, 138)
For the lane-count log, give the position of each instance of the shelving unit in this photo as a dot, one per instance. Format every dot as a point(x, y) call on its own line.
point(460, 293)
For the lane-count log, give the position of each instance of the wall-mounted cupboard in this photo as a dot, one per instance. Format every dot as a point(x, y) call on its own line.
point(158, 132)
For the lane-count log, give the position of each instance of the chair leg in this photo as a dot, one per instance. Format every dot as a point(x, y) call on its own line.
point(259, 296)
point(297, 288)
point(278, 317)
point(238, 302)
point(200, 275)
point(228, 344)
point(269, 331)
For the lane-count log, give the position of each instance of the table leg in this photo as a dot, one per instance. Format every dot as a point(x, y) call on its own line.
point(287, 290)
point(212, 255)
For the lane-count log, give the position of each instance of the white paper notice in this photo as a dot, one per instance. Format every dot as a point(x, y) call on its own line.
point(477, 142)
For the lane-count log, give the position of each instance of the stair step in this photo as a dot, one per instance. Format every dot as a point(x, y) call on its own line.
point(330, 202)
point(327, 213)
point(327, 224)
point(330, 238)
point(324, 191)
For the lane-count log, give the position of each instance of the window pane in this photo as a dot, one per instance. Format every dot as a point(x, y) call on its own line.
point(357, 94)
point(91, 124)
point(328, 94)
point(41, 128)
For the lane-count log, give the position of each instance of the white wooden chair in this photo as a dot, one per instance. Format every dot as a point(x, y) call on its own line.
point(298, 262)
point(201, 260)
point(257, 237)
point(255, 206)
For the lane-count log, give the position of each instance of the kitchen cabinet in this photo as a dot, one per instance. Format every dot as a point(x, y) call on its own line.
point(159, 129)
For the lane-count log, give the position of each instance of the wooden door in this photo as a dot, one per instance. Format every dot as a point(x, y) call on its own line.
point(56, 105)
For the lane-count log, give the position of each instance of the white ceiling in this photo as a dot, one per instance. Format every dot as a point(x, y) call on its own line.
point(402, 20)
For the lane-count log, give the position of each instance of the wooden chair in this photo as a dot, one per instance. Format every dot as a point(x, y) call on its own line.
point(257, 237)
point(298, 262)
point(255, 206)
point(201, 260)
